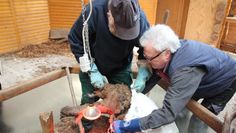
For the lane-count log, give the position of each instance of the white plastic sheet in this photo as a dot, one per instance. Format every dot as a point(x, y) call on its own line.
point(142, 106)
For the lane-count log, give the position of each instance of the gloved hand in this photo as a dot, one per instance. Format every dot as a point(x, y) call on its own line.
point(96, 78)
point(143, 75)
point(121, 126)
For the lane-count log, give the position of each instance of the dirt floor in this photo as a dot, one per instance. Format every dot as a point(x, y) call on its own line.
point(34, 60)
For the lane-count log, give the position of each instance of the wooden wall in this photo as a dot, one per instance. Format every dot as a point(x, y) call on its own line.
point(9, 39)
point(63, 13)
point(150, 9)
point(178, 10)
point(23, 22)
point(204, 19)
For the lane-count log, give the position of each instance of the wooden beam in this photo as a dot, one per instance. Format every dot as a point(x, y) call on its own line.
point(31, 84)
point(46, 120)
point(205, 115)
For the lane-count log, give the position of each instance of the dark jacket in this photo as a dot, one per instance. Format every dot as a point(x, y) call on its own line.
point(111, 53)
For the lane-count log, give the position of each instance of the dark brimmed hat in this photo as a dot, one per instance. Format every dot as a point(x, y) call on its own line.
point(126, 14)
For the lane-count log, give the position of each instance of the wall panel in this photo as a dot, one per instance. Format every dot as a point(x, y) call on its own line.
point(23, 22)
point(9, 40)
point(63, 13)
point(201, 20)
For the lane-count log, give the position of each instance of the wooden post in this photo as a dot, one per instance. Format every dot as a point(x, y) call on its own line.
point(46, 120)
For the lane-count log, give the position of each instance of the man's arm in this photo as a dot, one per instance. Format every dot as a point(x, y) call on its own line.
point(184, 83)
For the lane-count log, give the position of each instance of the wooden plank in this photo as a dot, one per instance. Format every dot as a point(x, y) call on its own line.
point(22, 12)
point(228, 47)
point(71, 10)
point(150, 9)
point(66, 4)
point(63, 13)
point(8, 45)
point(31, 84)
point(230, 19)
point(7, 50)
point(7, 42)
point(30, 2)
point(31, 8)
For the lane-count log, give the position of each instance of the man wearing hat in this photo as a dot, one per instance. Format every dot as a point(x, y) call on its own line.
point(115, 27)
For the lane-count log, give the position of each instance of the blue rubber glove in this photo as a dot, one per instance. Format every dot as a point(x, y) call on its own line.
point(143, 75)
point(96, 78)
point(121, 126)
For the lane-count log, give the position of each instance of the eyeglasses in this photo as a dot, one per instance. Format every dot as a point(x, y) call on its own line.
point(152, 58)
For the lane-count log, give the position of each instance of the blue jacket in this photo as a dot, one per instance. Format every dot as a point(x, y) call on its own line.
point(111, 53)
point(220, 68)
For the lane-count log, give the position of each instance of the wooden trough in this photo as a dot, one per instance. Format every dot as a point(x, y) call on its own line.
point(197, 109)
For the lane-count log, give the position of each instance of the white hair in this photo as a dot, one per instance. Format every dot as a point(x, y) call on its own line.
point(162, 37)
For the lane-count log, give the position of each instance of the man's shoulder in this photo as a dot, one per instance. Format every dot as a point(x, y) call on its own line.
point(144, 24)
point(99, 3)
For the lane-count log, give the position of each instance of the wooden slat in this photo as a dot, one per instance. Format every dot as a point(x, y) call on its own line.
point(27, 20)
point(63, 13)
point(150, 9)
point(8, 46)
point(7, 24)
point(32, 20)
point(2, 51)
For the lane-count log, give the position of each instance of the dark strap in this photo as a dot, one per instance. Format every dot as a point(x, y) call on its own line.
point(151, 83)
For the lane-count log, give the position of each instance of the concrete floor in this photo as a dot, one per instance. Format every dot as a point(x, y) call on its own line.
point(21, 113)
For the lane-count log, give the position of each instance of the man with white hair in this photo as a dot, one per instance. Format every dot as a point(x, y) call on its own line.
point(193, 69)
